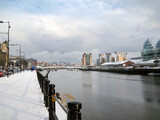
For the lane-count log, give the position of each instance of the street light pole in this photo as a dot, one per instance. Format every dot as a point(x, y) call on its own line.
point(20, 55)
point(8, 45)
point(7, 61)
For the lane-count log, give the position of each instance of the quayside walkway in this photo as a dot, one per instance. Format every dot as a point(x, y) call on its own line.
point(21, 98)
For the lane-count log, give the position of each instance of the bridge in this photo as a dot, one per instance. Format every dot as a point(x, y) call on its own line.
point(59, 67)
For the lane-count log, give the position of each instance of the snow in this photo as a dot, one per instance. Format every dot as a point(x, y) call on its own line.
point(60, 112)
point(21, 98)
point(139, 61)
point(114, 63)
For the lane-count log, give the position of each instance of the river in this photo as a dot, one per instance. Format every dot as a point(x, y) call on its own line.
point(111, 96)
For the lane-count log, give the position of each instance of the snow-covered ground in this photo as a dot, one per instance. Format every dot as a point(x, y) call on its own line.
point(21, 98)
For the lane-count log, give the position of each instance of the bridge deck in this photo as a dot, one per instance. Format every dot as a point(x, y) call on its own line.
point(21, 98)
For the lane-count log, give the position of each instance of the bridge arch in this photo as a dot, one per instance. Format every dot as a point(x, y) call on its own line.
point(67, 50)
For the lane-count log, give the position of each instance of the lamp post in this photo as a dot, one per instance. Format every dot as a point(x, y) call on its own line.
point(20, 56)
point(7, 60)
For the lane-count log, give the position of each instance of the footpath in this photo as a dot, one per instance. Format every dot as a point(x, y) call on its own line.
point(21, 98)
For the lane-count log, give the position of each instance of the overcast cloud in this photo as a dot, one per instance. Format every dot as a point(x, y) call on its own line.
point(47, 28)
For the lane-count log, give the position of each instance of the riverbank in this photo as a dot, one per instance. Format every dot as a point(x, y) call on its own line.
point(137, 71)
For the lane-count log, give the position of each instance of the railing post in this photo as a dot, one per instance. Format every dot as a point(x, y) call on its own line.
point(51, 103)
point(40, 80)
point(46, 92)
point(74, 111)
point(43, 84)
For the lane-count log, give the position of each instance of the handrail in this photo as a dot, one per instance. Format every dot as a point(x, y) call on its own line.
point(73, 111)
point(61, 104)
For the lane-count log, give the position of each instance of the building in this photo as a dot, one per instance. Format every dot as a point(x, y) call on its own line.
point(2, 58)
point(83, 61)
point(108, 57)
point(86, 59)
point(4, 52)
point(146, 63)
point(119, 56)
point(32, 62)
point(113, 59)
point(101, 59)
point(148, 52)
point(120, 64)
point(157, 50)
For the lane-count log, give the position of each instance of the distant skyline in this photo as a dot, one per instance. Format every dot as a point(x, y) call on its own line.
point(43, 27)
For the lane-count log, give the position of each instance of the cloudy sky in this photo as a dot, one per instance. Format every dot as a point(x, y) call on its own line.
point(59, 29)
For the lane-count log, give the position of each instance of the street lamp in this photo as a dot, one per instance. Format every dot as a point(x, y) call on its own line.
point(7, 60)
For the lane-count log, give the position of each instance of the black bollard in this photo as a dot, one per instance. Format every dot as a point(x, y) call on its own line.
point(43, 84)
point(74, 111)
point(51, 103)
point(46, 92)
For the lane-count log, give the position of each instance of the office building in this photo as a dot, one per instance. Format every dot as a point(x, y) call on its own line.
point(157, 50)
point(148, 52)
point(119, 56)
point(101, 59)
point(108, 57)
point(87, 59)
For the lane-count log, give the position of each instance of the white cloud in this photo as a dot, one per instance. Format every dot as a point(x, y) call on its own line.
point(83, 25)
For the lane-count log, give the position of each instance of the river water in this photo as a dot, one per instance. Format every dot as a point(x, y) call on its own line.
point(111, 96)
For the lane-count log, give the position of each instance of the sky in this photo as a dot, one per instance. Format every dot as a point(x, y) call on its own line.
point(59, 30)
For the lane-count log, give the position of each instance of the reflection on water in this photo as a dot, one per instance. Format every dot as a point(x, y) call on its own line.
point(87, 83)
point(151, 88)
point(111, 96)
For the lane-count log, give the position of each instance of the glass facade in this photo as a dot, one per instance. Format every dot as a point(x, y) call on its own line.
point(157, 50)
point(147, 52)
point(88, 59)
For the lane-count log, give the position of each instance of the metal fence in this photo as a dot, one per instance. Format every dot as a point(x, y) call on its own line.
point(50, 100)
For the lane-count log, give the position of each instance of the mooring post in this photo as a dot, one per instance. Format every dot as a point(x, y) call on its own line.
point(51, 103)
point(74, 110)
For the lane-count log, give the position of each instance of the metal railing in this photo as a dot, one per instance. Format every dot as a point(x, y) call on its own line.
point(48, 90)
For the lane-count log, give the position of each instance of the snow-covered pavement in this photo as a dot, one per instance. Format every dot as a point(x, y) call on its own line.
point(21, 98)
